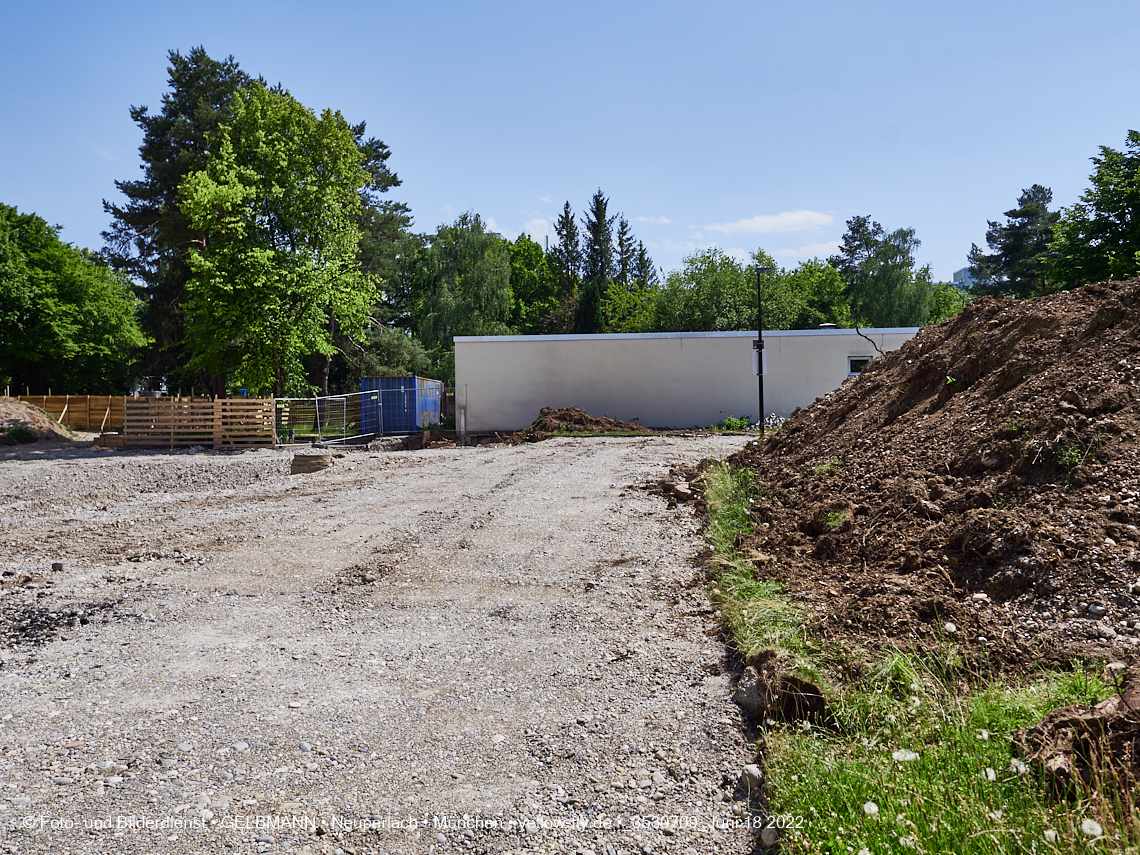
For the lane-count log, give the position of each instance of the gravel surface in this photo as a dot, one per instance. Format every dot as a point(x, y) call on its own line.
point(470, 649)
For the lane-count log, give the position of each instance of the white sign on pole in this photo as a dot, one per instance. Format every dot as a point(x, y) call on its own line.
point(759, 363)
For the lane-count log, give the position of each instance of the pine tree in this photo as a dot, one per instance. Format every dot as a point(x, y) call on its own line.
point(150, 237)
point(597, 265)
point(1020, 254)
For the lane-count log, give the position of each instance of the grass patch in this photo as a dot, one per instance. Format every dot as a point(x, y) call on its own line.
point(927, 766)
point(916, 755)
point(827, 466)
point(757, 613)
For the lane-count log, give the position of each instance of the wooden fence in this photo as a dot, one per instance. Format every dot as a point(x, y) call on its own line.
point(89, 412)
point(165, 422)
point(182, 422)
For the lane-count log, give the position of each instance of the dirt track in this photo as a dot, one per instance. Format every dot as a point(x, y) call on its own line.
point(514, 634)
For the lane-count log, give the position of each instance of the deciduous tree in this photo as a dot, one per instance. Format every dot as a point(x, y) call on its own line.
point(884, 287)
point(1099, 237)
point(462, 286)
point(274, 253)
point(67, 321)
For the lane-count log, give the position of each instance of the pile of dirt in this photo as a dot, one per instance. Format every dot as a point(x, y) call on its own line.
point(981, 484)
point(16, 414)
point(569, 420)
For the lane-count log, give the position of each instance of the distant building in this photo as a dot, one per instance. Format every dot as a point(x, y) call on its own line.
point(963, 279)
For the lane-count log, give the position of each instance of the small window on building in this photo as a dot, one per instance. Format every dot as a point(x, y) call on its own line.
point(856, 364)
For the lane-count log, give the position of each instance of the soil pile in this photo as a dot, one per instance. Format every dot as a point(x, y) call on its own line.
point(569, 420)
point(15, 414)
point(981, 483)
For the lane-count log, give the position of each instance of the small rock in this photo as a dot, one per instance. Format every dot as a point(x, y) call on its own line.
point(265, 838)
point(296, 705)
point(304, 746)
point(63, 782)
point(20, 801)
point(441, 838)
point(751, 777)
point(185, 746)
point(57, 566)
point(981, 598)
point(682, 490)
point(498, 738)
point(769, 835)
point(223, 775)
point(369, 577)
point(658, 778)
point(1097, 610)
point(240, 746)
point(752, 694)
point(1105, 632)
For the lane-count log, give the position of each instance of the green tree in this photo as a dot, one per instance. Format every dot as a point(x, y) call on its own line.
point(534, 287)
point(1099, 237)
point(67, 321)
point(597, 265)
point(816, 296)
point(626, 306)
point(1019, 259)
point(150, 236)
point(461, 286)
point(715, 292)
point(274, 260)
point(884, 287)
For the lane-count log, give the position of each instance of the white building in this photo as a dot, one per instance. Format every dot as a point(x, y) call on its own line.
point(668, 380)
point(963, 279)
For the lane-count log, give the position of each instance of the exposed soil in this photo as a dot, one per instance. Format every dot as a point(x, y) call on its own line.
point(14, 412)
point(980, 484)
point(569, 420)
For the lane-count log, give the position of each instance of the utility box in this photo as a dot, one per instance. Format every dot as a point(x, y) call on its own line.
point(400, 404)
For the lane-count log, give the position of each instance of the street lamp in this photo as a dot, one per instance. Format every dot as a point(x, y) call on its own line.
point(758, 345)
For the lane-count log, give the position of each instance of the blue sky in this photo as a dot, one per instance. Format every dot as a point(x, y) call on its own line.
point(738, 124)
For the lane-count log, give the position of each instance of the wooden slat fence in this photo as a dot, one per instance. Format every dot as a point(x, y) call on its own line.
point(183, 422)
point(167, 422)
point(87, 412)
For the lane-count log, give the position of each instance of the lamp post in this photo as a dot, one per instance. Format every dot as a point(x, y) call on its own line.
point(758, 345)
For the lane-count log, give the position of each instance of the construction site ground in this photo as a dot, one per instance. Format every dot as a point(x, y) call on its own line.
point(489, 649)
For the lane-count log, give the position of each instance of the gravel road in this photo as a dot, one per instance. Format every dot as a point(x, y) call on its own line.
point(471, 649)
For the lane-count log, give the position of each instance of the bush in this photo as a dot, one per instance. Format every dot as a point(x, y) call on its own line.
point(18, 434)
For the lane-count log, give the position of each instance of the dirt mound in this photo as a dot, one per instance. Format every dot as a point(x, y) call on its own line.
point(16, 414)
point(569, 420)
point(1078, 747)
point(981, 483)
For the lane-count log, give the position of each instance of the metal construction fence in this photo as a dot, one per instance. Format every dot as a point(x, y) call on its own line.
point(386, 406)
point(326, 418)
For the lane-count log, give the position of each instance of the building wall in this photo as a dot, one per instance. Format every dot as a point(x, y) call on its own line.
point(673, 380)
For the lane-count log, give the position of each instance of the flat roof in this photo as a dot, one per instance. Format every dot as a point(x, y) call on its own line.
point(466, 339)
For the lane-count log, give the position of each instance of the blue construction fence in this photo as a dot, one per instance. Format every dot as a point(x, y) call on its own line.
point(399, 404)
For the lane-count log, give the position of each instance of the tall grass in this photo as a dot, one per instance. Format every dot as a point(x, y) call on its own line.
point(917, 753)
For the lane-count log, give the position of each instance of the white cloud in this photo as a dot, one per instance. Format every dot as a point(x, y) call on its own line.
point(538, 228)
point(492, 226)
point(664, 221)
point(812, 250)
point(766, 224)
point(544, 198)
